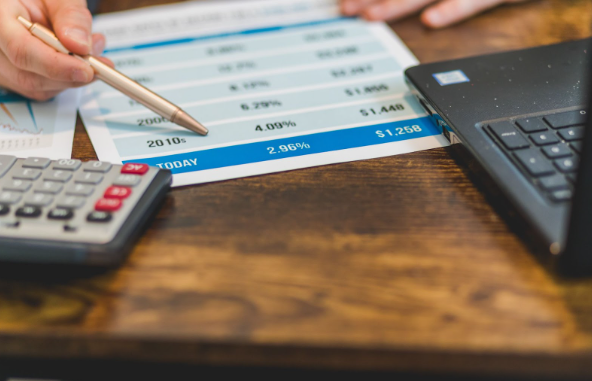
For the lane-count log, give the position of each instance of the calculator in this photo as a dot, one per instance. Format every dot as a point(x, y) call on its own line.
point(70, 212)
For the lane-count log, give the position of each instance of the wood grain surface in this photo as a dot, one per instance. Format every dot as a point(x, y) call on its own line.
point(390, 264)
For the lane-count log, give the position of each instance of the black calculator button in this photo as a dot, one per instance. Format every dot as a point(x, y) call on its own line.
point(532, 125)
point(562, 195)
point(567, 119)
point(57, 175)
point(567, 165)
point(554, 182)
point(557, 151)
point(4, 210)
point(544, 138)
point(26, 174)
point(36, 162)
point(572, 133)
point(534, 162)
point(6, 162)
point(97, 216)
point(97, 166)
point(88, 178)
point(60, 214)
point(577, 146)
point(509, 135)
point(67, 164)
point(28, 212)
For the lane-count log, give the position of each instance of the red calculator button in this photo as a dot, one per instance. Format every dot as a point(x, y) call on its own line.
point(134, 169)
point(117, 192)
point(108, 205)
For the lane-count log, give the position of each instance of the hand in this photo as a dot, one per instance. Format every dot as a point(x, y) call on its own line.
point(442, 13)
point(33, 69)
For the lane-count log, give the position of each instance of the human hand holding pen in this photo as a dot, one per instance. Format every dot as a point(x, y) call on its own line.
point(437, 13)
point(35, 70)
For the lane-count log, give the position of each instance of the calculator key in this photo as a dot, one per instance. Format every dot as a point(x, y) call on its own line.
point(57, 175)
point(6, 162)
point(534, 162)
point(572, 133)
point(97, 166)
point(60, 214)
point(18, 185)
point(71, 202)
point(127, 180)
point(80, 190)
point(67, 164)
point(544, 138)
point(10, 197)
point(577, 146)
point(36, 162)
point(554, 182)
point(117, 192)
point(567, 119)
point(567, 165)
point(557, 151)
point(509, 135)
point(135, 169)
point(88, 178)
point(4, 210)
point(572, 177)
point(49, 187)
point(26, 174)
point(28, 212)
point(562, 195)
point(108, 205)
point(99, 217)
point(38, 199)
point(532, 125)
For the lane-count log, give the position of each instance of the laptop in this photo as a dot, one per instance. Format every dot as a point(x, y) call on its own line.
point(521, 116)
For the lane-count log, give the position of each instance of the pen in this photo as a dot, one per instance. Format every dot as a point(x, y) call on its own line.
point(122, 83)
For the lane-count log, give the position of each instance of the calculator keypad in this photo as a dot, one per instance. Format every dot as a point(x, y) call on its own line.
point(68, 200)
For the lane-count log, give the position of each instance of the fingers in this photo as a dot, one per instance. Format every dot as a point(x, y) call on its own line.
point(72, 23)
point(393, 9)
point(449, 12)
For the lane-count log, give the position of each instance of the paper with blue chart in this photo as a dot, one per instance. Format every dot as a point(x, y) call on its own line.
point(45, 129)
point(281, 85)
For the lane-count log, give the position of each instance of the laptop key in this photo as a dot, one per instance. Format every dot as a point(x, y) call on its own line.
point(532, 125)
point(567, 119)
point(544, 138)
point(567, 165)
point(562, 195)
point(509, 135)
point(554, 182)
point(534, 162)
point(557, 151)
point(576, 146)
point(572, 133)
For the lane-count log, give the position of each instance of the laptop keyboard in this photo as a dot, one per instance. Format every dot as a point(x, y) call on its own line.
point(545, 148)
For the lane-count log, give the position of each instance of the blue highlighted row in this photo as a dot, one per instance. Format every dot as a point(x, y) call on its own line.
point(295, 146)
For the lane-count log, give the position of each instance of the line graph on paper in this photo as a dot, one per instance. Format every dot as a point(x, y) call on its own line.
point(20, 123)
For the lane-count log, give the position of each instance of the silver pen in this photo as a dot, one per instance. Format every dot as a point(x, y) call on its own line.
point(122, 83)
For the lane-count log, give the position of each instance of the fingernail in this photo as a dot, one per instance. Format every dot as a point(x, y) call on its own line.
point(433, 17)
point(99, 47)
point(80, 76)
point(79, 35)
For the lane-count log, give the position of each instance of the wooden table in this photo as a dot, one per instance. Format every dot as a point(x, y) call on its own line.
point(395, 264)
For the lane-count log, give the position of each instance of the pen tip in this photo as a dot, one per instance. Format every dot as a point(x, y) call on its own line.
point(184, 120)
point(25, 22)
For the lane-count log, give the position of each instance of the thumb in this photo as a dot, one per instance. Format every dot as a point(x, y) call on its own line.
point(72, 23)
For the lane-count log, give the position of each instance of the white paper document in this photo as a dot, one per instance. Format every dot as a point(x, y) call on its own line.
point(281, 85)
point(43, 129)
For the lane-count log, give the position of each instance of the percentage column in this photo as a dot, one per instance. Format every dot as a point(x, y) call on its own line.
point(275, 125)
